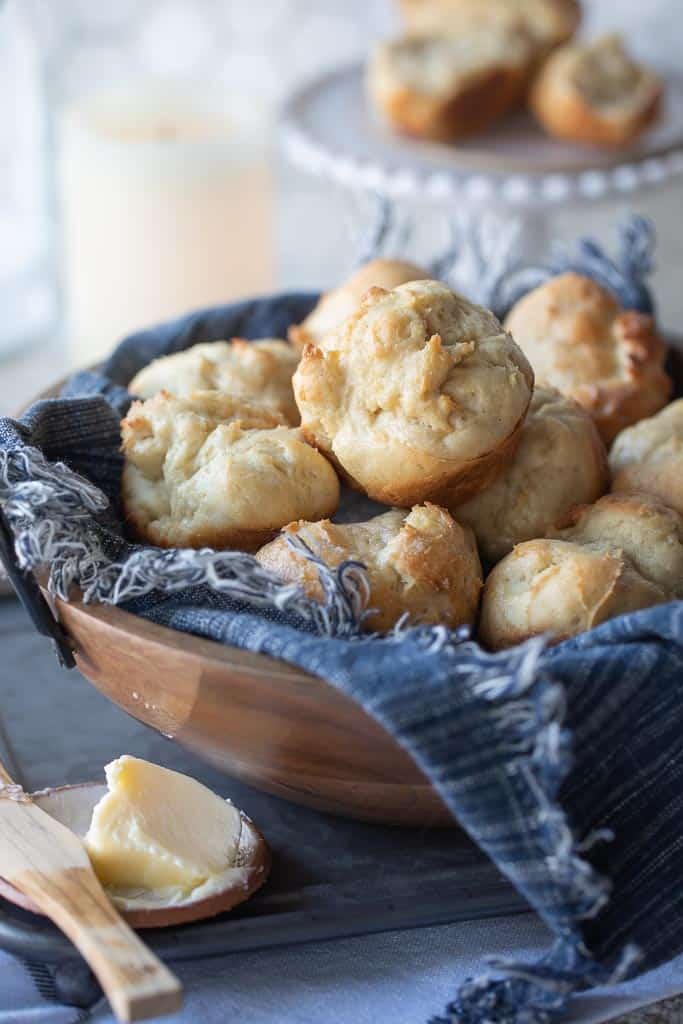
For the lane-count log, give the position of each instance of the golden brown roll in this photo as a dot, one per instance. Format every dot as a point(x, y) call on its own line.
point(334, 306)
point(596, 93)
point(621, 554)
point(649, 457)
point(419, 395)
point(643, 529)
point(580, 341)
point(548, 23)
point(560, 589)
point(560, 461)
point(258, 371)
point(213, 471)
point(446, 87)
point(420, 562)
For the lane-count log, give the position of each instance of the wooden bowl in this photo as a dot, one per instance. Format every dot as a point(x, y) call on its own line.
point(265, 722)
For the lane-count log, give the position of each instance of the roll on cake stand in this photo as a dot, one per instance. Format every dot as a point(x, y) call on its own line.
point(485, 197)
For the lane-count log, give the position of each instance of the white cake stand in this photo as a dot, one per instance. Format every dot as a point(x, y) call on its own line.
point(503, 185)
point(329, 129)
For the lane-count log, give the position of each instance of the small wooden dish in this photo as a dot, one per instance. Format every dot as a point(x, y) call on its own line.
point(73, 807)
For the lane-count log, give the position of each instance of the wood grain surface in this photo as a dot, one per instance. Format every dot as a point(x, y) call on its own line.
point(267, 723)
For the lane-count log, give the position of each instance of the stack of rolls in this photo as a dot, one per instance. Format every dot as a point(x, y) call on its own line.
point(463, 64)
point(488, 442)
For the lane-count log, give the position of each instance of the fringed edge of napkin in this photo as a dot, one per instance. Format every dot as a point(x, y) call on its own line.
point(531, 708)
point(52, 512)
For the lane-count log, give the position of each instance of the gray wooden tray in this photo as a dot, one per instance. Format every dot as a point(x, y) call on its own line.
point(331, 877)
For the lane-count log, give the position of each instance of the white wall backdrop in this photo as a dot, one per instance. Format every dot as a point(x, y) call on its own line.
point(264, 48)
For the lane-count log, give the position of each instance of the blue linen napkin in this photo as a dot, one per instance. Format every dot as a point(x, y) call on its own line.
point(563, 764)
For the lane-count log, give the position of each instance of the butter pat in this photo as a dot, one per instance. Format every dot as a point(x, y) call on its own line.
point(159, 830)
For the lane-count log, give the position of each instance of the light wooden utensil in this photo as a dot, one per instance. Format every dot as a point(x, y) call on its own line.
point(47, 862)
point(73, 806)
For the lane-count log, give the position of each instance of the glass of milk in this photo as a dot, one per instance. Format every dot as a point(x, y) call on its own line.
point(164, 203)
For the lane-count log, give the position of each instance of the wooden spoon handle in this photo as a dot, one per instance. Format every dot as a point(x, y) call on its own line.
point(136, 983)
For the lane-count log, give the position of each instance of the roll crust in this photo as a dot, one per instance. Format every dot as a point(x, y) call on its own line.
point(649, 457)
point(334, 306)
point(560, 460)
point(258, 371)
point(559, 589)
point(447, 87)
point(213, 471)
point(623, 553)
point(548, 23)
point(595, 93)
point(643, 529)
point(580, 341)
point(419, 395)
point(421, 562)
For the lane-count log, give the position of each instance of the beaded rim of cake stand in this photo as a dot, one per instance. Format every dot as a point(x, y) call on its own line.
point(505, 188)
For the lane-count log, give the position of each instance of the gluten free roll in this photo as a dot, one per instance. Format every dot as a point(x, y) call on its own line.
point(420, 563)
point(649, 457)
point(446, 87)
point(623, 553)
point(213, 471)
point(547, 23)
point(418, 395)
point(258, 371)
point(596, 93)
point(579, 340)
point(335, 305)
point(560, 462)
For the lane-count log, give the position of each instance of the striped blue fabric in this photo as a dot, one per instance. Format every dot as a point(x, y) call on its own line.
point(563, 763)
